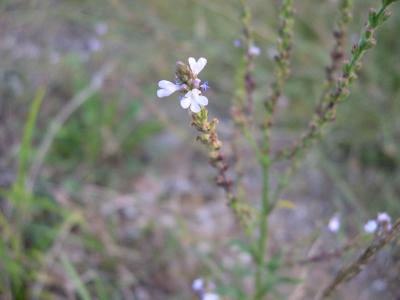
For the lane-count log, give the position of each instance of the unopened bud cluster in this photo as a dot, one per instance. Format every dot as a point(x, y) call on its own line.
point(284, 49)
point(209, 137)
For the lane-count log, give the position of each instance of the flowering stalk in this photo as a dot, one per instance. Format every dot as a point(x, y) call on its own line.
point(284, 45)
point(337, 52)
point(243, 105)
point(326, 111)
point(336, 89)
point(282, 59)
point(191, 88)
point(209, 137)
point(250, 51)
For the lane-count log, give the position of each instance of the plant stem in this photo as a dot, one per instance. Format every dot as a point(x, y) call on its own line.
point(282, 70)
point(263, 221)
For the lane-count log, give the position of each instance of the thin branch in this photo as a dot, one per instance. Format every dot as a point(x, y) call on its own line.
point(353, 269)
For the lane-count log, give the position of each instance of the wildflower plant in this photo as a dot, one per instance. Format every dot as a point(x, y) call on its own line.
point(340, 75)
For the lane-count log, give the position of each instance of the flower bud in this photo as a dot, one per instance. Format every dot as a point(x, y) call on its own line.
point(183, 72)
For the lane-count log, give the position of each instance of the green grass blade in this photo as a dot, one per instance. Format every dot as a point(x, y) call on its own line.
point(26, 144)
point(73, 275)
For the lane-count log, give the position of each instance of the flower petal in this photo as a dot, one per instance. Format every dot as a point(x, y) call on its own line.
point(161, 93)
point(201, 63)
point(202, 100)
point(192, 64)
point(166, 88)
point(195, 107)
point(196, 67)
point(189, 94)
point(185, 102)
point(165, 84)
point(371, 226)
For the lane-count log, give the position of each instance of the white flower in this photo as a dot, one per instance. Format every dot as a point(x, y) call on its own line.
point(197, 66)
point(210, 296)
point(254, 50)
point(384, 218)
point(198, 285)
point(334, 223)
point(371, 226)
point(95, 45)
point(166, 88)
point(194, 100)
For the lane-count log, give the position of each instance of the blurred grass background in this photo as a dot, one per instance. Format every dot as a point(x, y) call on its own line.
point(123, 206)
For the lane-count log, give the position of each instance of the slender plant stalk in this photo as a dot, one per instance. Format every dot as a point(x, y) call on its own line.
point(249, 83)
point(209, 137)
point(282, 59)
point(263, 229)
point(282, 71)
point(326, 255)
point(326, 112)
point(242, 107)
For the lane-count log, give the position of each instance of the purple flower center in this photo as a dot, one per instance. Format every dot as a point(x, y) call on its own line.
point(204, 87)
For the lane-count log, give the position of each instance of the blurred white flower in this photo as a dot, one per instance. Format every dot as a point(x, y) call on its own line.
point(371, 226)
point(198, 285)
point(254, 50)
point(194, 100)
point(94, 45)
point(166, 88)
point(197, 66)
point(334, 224)
point(379, 285)
point(384, 217)
point(210, 296)
point(237, 43)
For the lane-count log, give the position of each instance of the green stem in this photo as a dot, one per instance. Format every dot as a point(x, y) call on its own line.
point(263, 221)
point(253, 143)
point(284, 45)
